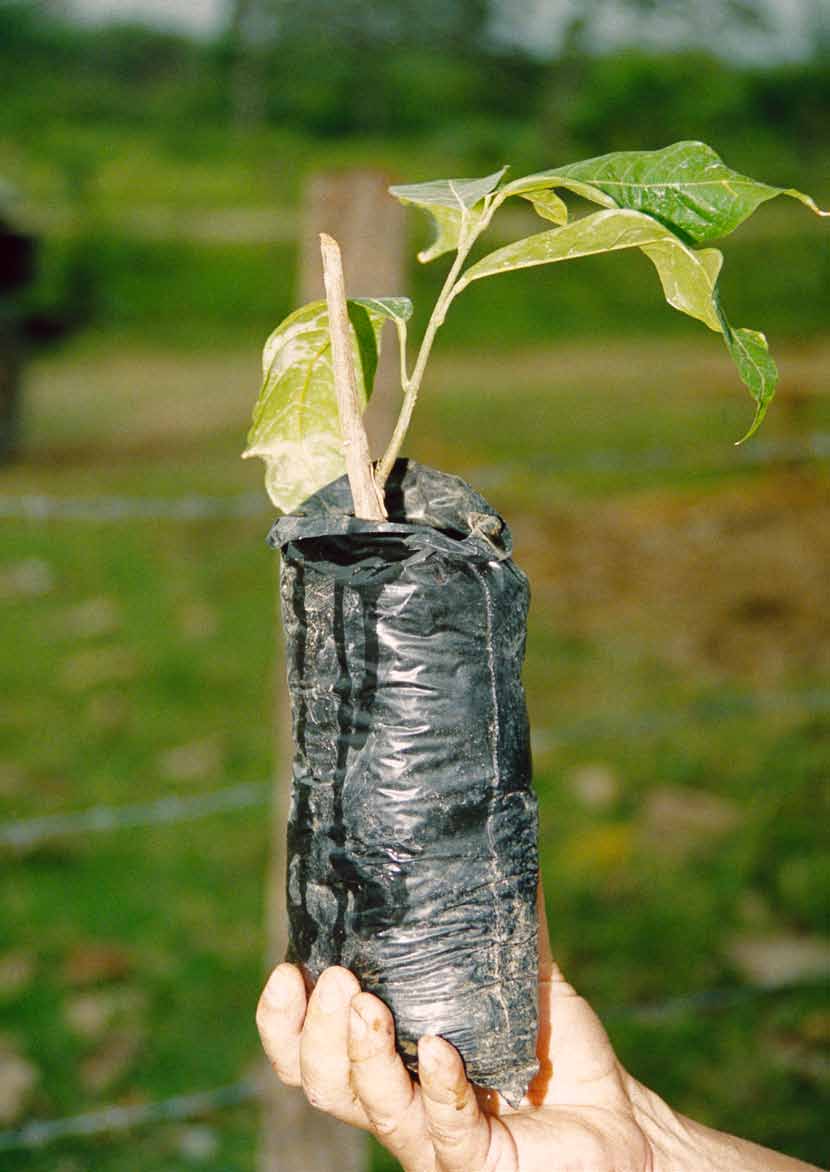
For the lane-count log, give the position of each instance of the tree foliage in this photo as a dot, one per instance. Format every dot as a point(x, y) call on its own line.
point(666, 203)
point(430, 67)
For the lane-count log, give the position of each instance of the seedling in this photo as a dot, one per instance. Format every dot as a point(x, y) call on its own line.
point(412, 855)
point(671, 204)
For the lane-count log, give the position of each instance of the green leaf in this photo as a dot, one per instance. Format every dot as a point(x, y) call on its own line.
point(548, 205)
point(296, 426)
point(686, 186)
point(756, 366)
point(532, 186)
point(448, 193)
point(689, 279)
point(397, 309)
point(451, 203)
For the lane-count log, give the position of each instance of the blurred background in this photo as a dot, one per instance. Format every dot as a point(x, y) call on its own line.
point(154, 159)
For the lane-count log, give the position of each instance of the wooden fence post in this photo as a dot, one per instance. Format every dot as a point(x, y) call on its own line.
point(355, 208)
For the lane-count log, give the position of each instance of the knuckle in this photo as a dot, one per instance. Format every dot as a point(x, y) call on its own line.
point(324, 1090)
point(317, 1096)
point(369, 1050)
point(288, 1078)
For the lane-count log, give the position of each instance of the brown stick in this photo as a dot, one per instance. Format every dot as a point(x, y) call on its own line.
point(368, 502)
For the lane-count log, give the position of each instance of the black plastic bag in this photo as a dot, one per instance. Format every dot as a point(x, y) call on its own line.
point(412, 853)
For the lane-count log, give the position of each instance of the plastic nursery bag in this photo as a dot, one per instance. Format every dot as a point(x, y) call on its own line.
point(412, 854)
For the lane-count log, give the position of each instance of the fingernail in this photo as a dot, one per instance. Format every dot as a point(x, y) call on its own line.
point(357, 1025)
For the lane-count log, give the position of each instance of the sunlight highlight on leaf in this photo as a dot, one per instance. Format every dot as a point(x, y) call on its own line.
point(685, 186)
point(688, 277)
point(296, 427)
point(451, 204)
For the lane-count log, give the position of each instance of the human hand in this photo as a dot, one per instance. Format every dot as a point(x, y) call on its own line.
point(580, 1112)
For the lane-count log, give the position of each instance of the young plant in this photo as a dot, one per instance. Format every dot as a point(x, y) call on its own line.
point(671, 204)
point(412, 840)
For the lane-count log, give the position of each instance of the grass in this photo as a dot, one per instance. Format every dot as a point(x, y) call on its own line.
point(678, 654)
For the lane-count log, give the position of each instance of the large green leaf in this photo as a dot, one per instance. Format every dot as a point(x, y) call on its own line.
point(686, 186)
point(689, 279)
point(296, 426)
point(451, 203)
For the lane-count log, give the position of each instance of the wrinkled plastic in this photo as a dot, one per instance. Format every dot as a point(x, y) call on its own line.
point(412, 853)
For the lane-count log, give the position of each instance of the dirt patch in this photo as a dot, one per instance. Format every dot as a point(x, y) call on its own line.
point(97, 404)
point(732, 583)
point(627, 364)
point(730, 579)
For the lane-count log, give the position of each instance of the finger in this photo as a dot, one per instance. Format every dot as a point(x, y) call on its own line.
point(583, 1061)
point(279, 1019)
point(545, 956)
point(383, 1086)
point(324, 1055)
point(464, 1139)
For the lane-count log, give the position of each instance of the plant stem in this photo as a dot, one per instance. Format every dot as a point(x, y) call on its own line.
point(411, 384)
point(367, 495)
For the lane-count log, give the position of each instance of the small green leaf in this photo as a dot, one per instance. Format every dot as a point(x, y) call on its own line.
point(447, 224)
point(448, 193)
point(296, 426)
point(451, 203)
point(367, 329)
point(689, 279)
point(394, 308)
point(756, 366)
point(685, 186)
point(533, 185)
point(548, 205)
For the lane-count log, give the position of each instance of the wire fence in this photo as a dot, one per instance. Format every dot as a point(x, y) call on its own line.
point(194, 507)
point(40, 507)
point(662, 458)
point(631, 726)
point(115, 1120)
point(26, 834)
point(40, 1132)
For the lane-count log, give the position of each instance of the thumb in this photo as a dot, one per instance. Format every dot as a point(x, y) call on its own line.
point(546, 964)
point(464, 1139)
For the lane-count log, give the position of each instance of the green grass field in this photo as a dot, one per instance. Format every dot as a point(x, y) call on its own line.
point(677, 677)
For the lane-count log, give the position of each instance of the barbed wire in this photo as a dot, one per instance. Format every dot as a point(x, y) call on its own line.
point(810, 702)
point(23, 834)
point(712, 1000)
point(178, 1108)
point(41, 1132)
point(196, 507)
point(26, 833)
point(761, 453)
